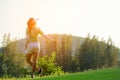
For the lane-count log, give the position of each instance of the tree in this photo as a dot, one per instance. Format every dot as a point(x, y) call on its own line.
point(111, 54)
point(48, 64)
point(66, 52)
point(12, 59)
point(75, 57)
point(83, 54)
point(95, 54)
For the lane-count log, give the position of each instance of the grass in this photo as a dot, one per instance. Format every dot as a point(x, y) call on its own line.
point(106, 74)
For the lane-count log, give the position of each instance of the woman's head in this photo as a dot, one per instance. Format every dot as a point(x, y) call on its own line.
point(31, 22)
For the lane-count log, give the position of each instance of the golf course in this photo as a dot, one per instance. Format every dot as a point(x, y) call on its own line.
point(102, 74)
point(106, 74)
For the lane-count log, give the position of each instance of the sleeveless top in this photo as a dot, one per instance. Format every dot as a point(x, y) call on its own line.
point(32, 36)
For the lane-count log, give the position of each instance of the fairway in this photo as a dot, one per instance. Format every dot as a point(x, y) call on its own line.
point(107, 74)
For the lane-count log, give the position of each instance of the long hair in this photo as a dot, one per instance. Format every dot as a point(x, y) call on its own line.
point(31, 23)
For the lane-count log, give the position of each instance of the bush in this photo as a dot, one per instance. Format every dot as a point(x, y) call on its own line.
point(48, 65)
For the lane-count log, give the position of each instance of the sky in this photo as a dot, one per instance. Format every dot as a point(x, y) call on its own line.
point(75, 17)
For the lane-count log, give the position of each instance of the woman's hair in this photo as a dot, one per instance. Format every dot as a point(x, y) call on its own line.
point(31, 22)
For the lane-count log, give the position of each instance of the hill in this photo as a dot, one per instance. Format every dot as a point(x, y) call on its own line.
point(106, 74)
point(76, 41)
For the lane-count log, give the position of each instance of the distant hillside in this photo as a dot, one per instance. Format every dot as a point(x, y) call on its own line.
point(76, 41)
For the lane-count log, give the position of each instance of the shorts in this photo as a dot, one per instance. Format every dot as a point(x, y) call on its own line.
point(33, 47)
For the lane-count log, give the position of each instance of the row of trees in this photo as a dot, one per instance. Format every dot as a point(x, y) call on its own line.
point(59, 55)
point(63, 48)
point(88, 54)
point(13, 64)
point(94, 54)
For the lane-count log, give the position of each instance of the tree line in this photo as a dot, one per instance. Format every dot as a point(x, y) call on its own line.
point(88, 54)
point(59, 57)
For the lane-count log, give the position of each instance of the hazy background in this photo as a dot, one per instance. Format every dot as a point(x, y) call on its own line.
point(76, 17)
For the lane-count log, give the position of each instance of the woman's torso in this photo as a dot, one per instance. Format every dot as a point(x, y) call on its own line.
point(32, 35)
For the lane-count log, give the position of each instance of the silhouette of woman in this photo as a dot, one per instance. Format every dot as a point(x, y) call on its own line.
point(32, 45)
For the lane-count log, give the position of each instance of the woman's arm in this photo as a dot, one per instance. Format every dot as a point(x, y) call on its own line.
point(26, 39)
point(26, 43)
point(40, 32)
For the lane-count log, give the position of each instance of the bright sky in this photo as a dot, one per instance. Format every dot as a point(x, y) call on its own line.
point(76, 17)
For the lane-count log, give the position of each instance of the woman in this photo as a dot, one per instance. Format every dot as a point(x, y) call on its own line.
point(32, 44)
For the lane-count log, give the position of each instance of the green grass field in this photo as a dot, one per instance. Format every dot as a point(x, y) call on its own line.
point(107, 74)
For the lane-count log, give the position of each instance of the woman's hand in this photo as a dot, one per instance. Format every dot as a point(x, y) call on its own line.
point(25, 46)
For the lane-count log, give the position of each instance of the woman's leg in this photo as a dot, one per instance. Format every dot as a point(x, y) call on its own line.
point(34, 68)
point(28, 59)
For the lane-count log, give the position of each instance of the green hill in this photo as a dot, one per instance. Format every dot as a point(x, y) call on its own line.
point(103, 74)
point(106, 74)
